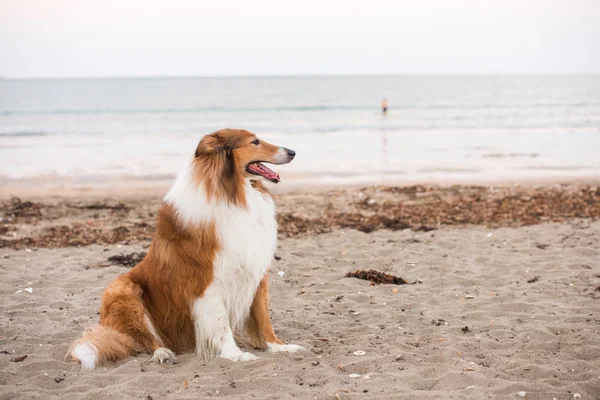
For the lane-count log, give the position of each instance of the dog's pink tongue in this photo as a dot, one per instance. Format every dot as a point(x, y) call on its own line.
point(264, 171)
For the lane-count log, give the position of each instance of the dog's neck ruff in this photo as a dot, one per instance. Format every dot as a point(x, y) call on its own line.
point(194, 205)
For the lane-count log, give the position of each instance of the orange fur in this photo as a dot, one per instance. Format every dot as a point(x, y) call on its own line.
point(258, 326)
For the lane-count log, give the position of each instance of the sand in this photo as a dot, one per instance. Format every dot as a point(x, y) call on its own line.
point(495, 312)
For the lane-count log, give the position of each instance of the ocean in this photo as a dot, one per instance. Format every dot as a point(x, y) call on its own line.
point(437, 129)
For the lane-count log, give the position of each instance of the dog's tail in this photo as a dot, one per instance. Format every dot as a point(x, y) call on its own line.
point(100, 344)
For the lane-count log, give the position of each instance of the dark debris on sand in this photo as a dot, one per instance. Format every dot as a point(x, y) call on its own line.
point(291, 225)
point(377, 277)
point(101, 206)
point(25, 224)
point(494, 207)
point(127, 260)
point(79, 234)
point(17, 210)
point(425, 208)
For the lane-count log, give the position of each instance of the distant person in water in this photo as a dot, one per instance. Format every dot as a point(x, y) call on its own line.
point(384, 106)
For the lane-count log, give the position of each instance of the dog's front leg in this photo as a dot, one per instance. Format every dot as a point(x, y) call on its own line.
point(258, 326)
point(214, 337)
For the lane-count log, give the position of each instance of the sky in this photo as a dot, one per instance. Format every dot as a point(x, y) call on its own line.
point(105, 38)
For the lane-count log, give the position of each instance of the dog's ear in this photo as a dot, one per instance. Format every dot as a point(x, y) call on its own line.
point(213, 143)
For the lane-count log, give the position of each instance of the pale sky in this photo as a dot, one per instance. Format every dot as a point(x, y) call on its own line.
point(100, 38)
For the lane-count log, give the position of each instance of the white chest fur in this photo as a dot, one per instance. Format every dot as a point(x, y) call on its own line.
point(248, 239)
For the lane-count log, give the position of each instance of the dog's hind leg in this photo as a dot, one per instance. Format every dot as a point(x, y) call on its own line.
point(161, 354)
point(125, 328)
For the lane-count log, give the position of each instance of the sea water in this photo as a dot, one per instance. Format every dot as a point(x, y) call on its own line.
point(437, 128)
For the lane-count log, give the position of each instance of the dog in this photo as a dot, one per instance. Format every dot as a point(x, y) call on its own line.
point(205, 276)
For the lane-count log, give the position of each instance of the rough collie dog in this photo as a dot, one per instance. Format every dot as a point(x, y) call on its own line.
point(205, 276)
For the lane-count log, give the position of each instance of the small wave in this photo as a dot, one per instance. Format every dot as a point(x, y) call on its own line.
point(22, 134)
point(179, 110)
point(299, 108)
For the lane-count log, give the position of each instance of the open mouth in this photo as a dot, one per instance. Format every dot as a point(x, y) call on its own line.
point(257, 168)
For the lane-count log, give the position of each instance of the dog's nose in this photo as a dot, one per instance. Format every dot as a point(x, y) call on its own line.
point(291, 153)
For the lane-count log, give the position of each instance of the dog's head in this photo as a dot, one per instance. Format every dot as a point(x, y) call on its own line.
point(228, 157)
point(243, 153)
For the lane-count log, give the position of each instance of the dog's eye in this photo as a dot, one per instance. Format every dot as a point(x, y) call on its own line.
point(256, 142)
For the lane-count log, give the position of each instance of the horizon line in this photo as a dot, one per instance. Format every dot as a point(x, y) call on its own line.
point(327, 75)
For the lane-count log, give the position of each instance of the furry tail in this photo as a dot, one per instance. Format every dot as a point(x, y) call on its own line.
point(100, 344)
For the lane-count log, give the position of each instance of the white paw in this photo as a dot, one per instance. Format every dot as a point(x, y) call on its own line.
point(162, 355)
point(245, 356)
point(290, 348)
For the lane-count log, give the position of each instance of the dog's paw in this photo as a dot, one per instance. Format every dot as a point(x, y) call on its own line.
point(245, 356)
point(290, 348)
point(163, 355)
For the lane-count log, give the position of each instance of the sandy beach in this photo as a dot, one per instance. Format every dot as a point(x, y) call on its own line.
point(504, 300)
